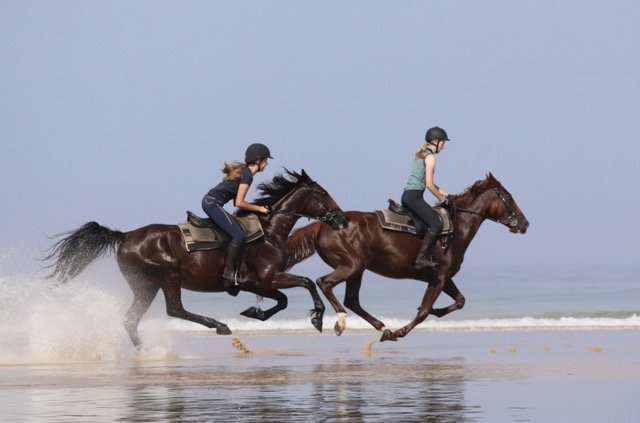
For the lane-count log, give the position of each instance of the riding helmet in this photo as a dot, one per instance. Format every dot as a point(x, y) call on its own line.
point(436, 133)
point(257, 151)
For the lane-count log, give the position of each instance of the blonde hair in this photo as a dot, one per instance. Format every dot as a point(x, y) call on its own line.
point(422, 152)
point(232, 170)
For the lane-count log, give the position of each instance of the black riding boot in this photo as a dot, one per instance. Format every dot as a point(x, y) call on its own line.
point(229, 277)
point(425, 257)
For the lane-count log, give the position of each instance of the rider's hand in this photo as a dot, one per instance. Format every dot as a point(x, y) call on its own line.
point(267, 210)
point(447, 200)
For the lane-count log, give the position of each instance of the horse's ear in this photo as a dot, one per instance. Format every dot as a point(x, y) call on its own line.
point(304, 175)
point(490, 176)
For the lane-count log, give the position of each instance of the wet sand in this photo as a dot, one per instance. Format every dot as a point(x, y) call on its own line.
point(428, 376)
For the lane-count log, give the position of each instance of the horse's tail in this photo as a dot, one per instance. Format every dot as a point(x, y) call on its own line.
point(302, 243)
point(79, 248)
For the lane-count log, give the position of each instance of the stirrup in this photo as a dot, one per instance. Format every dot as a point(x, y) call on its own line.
point(232, 280)
point(425, 263)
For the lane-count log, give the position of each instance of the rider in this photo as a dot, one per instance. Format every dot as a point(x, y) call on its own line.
point(235, 184)
point(424, 166)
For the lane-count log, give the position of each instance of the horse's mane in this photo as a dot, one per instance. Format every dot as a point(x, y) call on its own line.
point(480, 186)
point(281, 185)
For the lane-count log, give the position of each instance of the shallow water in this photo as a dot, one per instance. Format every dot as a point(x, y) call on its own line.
point(528, 346)
point(443, 377)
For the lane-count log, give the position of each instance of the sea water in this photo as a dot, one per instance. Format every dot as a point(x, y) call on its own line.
point(65, 356)
point(498, 297)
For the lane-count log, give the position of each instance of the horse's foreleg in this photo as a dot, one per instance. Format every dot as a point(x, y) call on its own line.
point(284, 280)
point(262, 315)
point(326, 284)
point(143, 296)
point(352, 301)
point(451, 290)
point(175, 308)
point(430, 296)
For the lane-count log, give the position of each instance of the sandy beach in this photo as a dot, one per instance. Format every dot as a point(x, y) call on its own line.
point(429, 376)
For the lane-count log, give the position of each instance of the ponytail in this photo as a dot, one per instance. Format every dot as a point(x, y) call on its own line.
point(232, 170)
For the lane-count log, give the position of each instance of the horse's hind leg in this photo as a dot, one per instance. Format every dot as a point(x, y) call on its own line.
point(143, 295)
point(173, 300)
point(451, 290)
point(428, 300)
point(352, 302)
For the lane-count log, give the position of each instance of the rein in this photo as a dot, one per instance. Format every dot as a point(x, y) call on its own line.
point(327, 217)
point(511, 221)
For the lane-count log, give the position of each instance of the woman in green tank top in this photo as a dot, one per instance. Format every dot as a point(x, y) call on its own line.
point(420, 179)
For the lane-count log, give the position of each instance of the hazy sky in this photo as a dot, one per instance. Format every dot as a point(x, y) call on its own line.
point(123, 112)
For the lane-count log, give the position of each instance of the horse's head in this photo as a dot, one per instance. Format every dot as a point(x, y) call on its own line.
point(321, 205)
point(301, 196)
point(498, 204)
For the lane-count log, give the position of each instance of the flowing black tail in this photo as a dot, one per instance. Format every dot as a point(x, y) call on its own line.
point(79, 248)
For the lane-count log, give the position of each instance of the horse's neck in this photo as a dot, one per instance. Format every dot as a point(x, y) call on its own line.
point(281, 225)
point(286, 215)
point(468, 223)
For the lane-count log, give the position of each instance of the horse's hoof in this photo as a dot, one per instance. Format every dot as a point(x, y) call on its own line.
point(317, 323)
point(223, 330)
point(338, 329)
point(250, 312)
point(254, 313)
point(233, 290)
point(387, 335)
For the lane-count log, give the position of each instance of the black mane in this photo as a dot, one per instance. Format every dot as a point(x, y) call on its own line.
point(272, 192)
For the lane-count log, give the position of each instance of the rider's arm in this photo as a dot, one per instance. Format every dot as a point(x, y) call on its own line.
point(430, 164)
point(240, 201)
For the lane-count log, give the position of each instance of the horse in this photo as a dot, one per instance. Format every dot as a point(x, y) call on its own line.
point(154, 257)
point(365, 245)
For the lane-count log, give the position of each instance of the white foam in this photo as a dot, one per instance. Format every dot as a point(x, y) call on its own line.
point(357, 324)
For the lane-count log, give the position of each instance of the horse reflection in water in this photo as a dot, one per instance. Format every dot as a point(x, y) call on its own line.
point(365, 245)
point(154, 257)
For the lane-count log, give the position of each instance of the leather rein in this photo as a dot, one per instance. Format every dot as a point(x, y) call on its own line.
point(511, 220)
point(327, 217)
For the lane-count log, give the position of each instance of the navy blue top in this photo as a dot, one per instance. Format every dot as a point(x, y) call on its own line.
point(228, 190)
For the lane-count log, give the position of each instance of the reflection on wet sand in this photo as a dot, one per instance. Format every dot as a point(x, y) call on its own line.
point(427, 378)
point(343, 389)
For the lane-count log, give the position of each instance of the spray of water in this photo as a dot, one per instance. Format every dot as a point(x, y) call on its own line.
point(41, 322)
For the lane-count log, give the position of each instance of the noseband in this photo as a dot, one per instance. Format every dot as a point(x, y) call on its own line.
point(511, 220)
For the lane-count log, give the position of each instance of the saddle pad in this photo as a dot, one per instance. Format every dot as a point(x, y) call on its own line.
point(404, 223)
point(197, 238)
point(396, 222)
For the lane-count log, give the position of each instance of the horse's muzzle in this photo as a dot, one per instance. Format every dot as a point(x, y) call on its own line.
point(518, 225)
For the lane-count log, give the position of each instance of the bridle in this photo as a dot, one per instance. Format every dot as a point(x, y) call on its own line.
point(329, 214)
point(511, 221)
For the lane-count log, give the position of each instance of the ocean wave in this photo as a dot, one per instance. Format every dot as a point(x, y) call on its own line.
point(357, 325)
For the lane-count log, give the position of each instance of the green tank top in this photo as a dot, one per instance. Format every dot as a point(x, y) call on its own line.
point(418, 174)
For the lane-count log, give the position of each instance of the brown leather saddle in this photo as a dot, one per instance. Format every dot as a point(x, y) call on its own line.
point(398, 218)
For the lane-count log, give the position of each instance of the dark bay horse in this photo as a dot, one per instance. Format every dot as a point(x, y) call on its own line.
point(154, 257)
point(366, 245)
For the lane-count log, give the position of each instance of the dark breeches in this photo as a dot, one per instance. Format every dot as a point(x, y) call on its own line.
point(414, 200)
point(223, 220)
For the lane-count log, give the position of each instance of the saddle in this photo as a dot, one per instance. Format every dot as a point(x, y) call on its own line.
point(398, 218)
point(202, 234)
